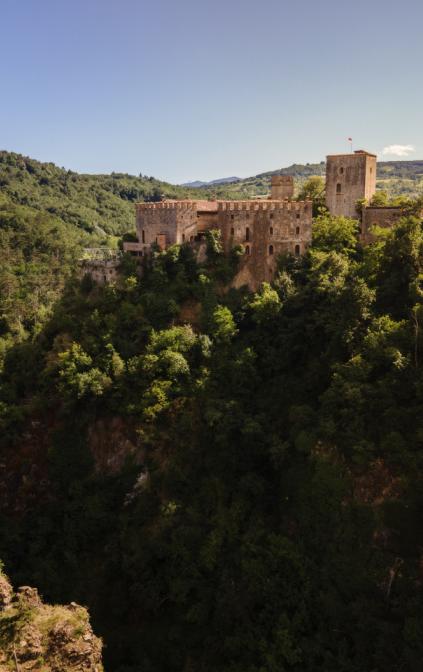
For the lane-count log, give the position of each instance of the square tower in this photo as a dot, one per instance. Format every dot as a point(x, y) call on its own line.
point(349, 178)
point(282, 187)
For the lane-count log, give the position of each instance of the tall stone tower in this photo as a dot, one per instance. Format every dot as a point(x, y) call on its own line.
point(282, 187)
point(349, 177)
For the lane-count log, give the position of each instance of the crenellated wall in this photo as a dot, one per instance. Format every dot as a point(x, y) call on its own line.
point(169, 222)
point(265, 229)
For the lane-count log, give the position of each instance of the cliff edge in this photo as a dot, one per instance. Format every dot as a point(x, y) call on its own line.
point(44, 638)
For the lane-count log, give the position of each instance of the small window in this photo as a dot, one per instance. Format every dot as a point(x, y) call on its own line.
point(232, 231)
point(371, 171)
point(341, 170)
point(271, 215)
point(247, 215)
point(270, 249)
point(297, 250)
point(247, 233)
point(271, 231)
point(298, 215)
point(143, 235)
point(297, 230)
point(247, 249)
point(183, 237)
point(338, 188)
point(232, 216)
point(191, 238)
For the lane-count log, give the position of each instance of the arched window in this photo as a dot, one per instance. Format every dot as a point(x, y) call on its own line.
point(143, 235)
point(297, 250)
point(247, 249)
point(338, 188)
point(271, 231)
point(297, 230)
point(232, 216)
point(232, 231)
point(183, 237)
point(271, 215)
point(341, 170)
point(247, 233)
point(270, 249)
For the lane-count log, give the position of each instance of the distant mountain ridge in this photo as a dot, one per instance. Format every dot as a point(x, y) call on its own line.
point(399, 169)
point(395, 177)
point(197, 184)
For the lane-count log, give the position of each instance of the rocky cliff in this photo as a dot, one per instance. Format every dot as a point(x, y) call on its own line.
point(43, 638)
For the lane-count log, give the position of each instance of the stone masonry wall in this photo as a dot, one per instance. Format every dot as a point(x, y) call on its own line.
point(382, 217)
point(349, 178)
point(265, 229)
point(282, 187)
point(176, 220)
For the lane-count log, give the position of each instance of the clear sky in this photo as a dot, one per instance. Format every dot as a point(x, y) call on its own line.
point(201, 89)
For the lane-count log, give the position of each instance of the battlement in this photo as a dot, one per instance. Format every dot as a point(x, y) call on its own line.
point(264, 205)
point(167, 205)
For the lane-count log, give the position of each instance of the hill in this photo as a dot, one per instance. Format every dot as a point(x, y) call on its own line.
point(394, 177)
point(101, 205)
point(222, 180)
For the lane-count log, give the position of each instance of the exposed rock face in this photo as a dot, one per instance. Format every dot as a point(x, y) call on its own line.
point(43, 638)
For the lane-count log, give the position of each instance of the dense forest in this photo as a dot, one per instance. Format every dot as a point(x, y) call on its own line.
point(100, 205)
point(231, 482)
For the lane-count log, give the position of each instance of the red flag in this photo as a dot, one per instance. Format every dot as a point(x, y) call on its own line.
point(349, 139)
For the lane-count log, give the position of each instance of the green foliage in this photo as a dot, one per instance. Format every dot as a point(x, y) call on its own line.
point(335, 233)
point(222, 326)
point(98, 204)
point(313, 190)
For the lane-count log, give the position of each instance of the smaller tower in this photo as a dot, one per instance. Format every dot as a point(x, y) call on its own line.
point(349, 178)
point(282, 187)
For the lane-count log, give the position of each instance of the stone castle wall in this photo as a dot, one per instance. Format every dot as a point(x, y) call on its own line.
point(168, 221)
point(382, 217)
point(265, 229)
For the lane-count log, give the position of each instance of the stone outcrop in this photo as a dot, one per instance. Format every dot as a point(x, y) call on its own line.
point(43, 638)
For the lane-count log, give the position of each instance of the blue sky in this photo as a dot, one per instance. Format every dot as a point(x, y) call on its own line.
point(203, 89)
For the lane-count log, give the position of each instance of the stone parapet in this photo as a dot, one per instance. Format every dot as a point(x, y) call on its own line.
point(263, 205)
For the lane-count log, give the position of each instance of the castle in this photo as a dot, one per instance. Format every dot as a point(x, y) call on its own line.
point(265, 228)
